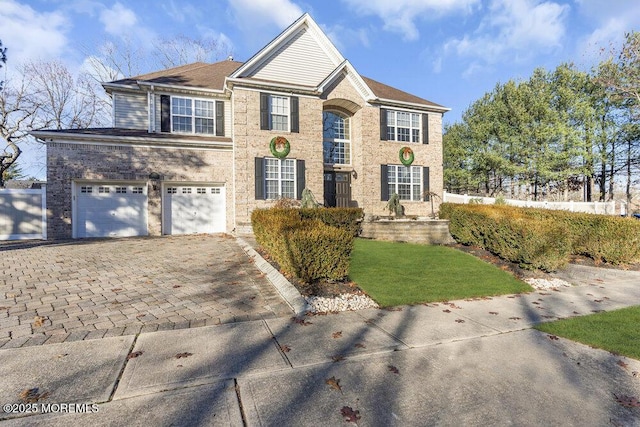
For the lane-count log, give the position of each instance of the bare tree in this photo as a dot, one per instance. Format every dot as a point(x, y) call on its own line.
point(46, 96)
point(3, 58)
point(183, 50)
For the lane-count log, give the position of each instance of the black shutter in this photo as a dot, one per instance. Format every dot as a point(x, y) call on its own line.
point(295, 126)
point(425, 128)
point(300, 180)
point(165, 113)
point(383, 124)
point(264, 111)
point(384, 184)
point(259, 178)
point(425, 183)
point(219, 118)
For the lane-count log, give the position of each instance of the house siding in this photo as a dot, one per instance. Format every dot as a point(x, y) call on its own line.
point(301, 61)
point(130, 110)
point(70, 162)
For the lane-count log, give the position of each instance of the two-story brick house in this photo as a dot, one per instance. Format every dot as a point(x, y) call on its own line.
point(196, 148)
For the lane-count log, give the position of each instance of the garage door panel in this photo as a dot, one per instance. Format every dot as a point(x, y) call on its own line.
point(111, 210)
point(194, 209)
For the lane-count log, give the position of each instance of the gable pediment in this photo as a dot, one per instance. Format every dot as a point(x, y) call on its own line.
point(302, 55)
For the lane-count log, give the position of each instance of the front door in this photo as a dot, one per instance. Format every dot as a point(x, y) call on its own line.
point(337, 189)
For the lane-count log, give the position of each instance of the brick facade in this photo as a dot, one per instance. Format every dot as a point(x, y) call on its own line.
point(101, 163)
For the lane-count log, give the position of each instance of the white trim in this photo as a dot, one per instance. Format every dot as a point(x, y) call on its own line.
point(193, 115)
point(44, 211)
point(242, 82)
point(421, 107)
point(194, 89)
point(123, 141)
point(280, 92)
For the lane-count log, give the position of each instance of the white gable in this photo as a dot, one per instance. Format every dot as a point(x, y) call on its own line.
point(301, 61)
point(302, 55)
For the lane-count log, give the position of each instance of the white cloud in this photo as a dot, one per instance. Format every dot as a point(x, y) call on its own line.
point(612, 20)
point(257, 14)
point(343, 37)
point(399, 15)
point(118, 20)
point(31, 35)
point(514, 29)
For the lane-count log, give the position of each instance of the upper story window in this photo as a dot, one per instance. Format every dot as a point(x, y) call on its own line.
point(191, 115)
point(404, 126)
point(336, 138)
point(279, 112)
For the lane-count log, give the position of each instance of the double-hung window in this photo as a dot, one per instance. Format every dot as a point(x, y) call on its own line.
point(181, 114)
point(404, 126)
point(405, 181)
point(279, 112)
point(279, 178)
point(192, 115)
point(408, 182)
point(336, 141)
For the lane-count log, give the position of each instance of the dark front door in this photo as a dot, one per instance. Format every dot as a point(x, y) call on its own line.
point(337, 189)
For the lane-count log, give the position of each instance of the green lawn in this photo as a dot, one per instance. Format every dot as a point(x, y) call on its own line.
point(616, 331)
point(404, 273)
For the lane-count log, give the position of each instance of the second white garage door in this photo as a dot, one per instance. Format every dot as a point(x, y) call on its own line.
point(193, 209)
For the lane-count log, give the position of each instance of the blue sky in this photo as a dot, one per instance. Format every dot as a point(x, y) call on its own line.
point(448, 51)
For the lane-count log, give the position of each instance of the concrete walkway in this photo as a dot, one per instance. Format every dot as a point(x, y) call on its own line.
point(471, 362)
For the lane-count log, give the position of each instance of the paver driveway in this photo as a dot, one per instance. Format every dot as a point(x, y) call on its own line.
point(64, 291)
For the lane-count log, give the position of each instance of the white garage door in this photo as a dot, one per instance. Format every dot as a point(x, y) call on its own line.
point(193, 209)
point(110, 210)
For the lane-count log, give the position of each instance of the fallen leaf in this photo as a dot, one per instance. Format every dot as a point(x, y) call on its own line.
point(511, 296)
point(393, 308)
point(575, 312)
point(116, 290)
point(181, 355)
point(514, 318)
point(635, 373)
point(334, 383)
point(149, 282)
point(337, 358)
point(548, 317)
point(285, 348)
point(590, 295)
point(38, 321)
point(495, 313)
point(337, 334)
point(135, 354)
point(597, 300)
point(622, 364)
point(535, 302)
point(140, 315)
point(370, 321)
point(300, 321)
point(543, 293)
point(446, 310)
point(459, 321)
point(350, 415)
point(359, 345)
point(627, 401)
point(393, 369)
point(60, 356)
point(177, 286)
point(555, 289)
point(179, 366)
point(32, 395)
point(553, 337)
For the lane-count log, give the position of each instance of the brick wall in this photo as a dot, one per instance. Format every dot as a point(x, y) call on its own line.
point(69, 162)
point(367, 150)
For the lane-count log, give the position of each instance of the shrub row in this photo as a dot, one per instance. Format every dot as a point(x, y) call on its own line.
point(349, 219)
point(544, 239)
point(304, 245)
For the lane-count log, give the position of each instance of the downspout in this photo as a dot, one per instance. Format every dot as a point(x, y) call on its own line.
point(233, 163)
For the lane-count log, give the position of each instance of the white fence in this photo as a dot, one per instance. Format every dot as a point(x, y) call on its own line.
point(23, 214)
point(602, 208)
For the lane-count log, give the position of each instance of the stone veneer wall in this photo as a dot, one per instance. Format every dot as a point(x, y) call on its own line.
point(69, 162)
point(430, 232)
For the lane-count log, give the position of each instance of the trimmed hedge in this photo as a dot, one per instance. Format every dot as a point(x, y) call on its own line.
point(349, 219)
point(538, 238)
point(304, 246)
